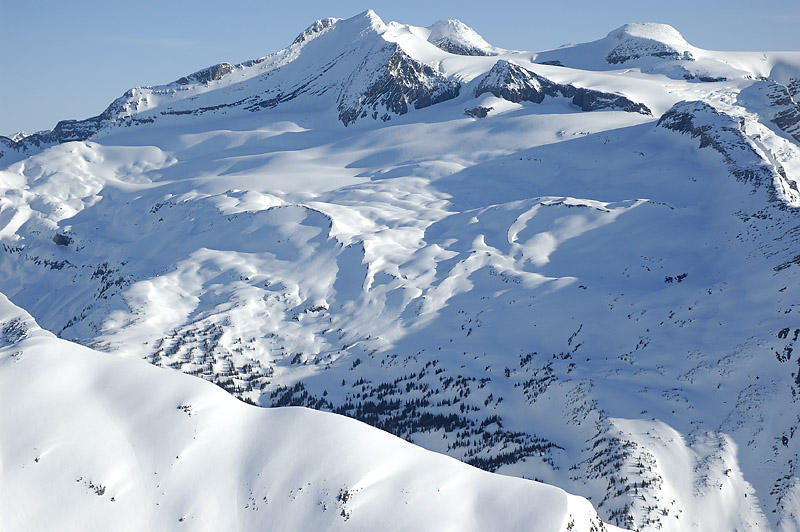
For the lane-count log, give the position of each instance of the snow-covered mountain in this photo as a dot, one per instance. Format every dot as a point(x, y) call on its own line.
point(576, 265)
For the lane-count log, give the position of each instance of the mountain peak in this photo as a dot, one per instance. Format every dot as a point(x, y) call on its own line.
point(370, 18)
point(457, 38)
point(649, 30)
point(647, 40)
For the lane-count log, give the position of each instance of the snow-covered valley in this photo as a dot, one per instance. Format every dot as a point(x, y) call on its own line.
point(577, 266)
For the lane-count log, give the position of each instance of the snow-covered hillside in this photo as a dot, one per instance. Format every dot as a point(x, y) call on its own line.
point(92, 442)
point(577, 265)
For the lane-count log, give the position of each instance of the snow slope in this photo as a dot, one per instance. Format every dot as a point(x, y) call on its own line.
point(584, 274)
point(117, 444)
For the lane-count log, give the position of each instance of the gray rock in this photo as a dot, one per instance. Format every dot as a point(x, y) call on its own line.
point(723, 133)
point(403, 81)
point(314, 30)
point(517, 84)
point(478, 112)
point(207, 75)
point(459, 49)
point(775, 102)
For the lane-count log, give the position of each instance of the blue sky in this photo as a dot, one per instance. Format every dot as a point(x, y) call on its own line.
point(65, 60)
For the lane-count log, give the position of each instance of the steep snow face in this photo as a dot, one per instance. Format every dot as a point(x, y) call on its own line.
point(457, 38)
point(92, 442)
point(565, 289)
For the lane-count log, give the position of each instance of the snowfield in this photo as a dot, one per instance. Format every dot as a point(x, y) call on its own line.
point(577, 266)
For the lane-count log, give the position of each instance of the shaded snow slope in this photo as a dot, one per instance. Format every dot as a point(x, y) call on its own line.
point(596, 291)
point(92, 442)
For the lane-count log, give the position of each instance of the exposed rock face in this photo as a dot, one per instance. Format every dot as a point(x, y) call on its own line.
point(724, 134)
point(794, 86)
point(207, 75)
point(315, 30)
point(703, 121)
point(591, 100)
point(516, 84)
point(401, 82)
point(789, 119)
point(457, 38)
point(478, 112)
point(78, 130)
point(773, 102)
point(457, 48)
point(624, 53)
point(787, 111)
point(6, 145)
point(642, 40)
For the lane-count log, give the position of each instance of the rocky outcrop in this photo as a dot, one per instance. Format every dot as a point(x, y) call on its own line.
point(79, 130)
point(516, 84)
point(6, 145)
point(478, 112)
point(458, 48)
point(717, 130)
point(315, 30)
point(401, 81)
point(643, 40)
point(207, 75)
point(723, 133)
point(788, 117)
point(794, 86)
point(457, 38)
point(774, 103)
point(624, 53)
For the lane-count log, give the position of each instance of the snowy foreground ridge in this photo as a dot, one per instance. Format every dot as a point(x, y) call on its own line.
point(120, 445)
point(578, 266)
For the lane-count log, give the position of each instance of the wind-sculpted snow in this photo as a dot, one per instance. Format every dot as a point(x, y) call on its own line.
point(601, 300)
point(94, 442)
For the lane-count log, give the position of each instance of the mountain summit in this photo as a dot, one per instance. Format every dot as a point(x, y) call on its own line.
point(360, 67)
point(576, 265)
point(457, 38)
